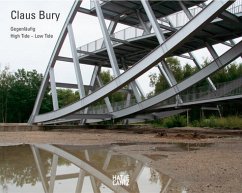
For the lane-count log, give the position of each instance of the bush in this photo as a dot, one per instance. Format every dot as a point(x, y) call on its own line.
point(174, 121)
point(224, 122)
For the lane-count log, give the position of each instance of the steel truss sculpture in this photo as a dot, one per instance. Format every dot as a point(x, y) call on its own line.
point(159, 36)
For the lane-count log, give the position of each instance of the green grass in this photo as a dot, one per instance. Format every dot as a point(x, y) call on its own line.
point(169, 122)
point(231, 122)
point(224, 122)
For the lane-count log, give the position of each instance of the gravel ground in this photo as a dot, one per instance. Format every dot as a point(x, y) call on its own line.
point(201, 161)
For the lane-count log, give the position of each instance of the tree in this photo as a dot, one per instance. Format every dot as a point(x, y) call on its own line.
point(160, 83)
point(23, 93)
point(67, 96)
point(106, 77)
point(6, 80)
point(18, 93)
point(229, 73)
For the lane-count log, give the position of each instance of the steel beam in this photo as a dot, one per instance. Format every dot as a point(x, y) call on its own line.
point(111, 29)
point(93, 78)
point(107, 40)
point(136, 173)
point(230, 17)
point(80, 181)
point(128, 98)
point(162, 71)
point(52, 61)
point(92, 83)
point(166, 186)
point(133, 85)
point(143, 24)
point(199, 66)
point(91, 54)
point(88, 116)
point(140, 89)
point(40, 167)
point(64, 59)
point(106, 99)
point(161, 38)
point(186, 57)
point(214, 54)
point(186, 10)
point(107, 160)
point(53, 90)
point(153, 21)
point(53, 173)
point(81, 89)
point(93, 182)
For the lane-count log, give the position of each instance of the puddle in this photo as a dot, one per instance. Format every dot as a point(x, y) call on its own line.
point(46, 168)
point(181, 147)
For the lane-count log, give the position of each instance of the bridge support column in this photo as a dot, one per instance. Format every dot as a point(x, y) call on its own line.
point(143, 24)
point(190, 16)
point(52, 61)
point(107, 40)
point(94, 78)
point(93, 181)
point(53, 89)
point(76, 62)
point(199, 66)
point(161, 38)
point(53, 172)
point(111, 29)
point(40, 167)
point(106, 99)
point(128, 98)
point(214, 54)
point(133, 85)
point(80, 181)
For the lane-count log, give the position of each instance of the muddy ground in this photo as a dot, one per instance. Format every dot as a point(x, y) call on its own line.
point(204, 160)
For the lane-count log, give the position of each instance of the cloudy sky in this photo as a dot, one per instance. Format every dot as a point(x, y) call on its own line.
point(34, 53)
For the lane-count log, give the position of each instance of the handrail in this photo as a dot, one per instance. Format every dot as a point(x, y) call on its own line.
point(189, 95)
point(178, 20)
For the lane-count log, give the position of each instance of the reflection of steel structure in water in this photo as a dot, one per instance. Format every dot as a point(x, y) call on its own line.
point(88, 168)
point(157, 32)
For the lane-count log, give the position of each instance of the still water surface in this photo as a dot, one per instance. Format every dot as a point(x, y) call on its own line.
point(43, 168)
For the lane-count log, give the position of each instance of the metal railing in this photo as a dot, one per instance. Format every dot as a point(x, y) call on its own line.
point(177, 19)
point(230, 88)
point(128, 33)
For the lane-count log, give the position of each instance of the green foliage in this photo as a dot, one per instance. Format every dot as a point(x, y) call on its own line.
point(6, 79)
point(18, 93)
point(229, 73)
point(106, 77)
point(169, 122)
point(216, 122)
point(180, 73)
point(175, 66)
point(67, 96)
point(18, 97)
point(159, 83)
point(174, 121)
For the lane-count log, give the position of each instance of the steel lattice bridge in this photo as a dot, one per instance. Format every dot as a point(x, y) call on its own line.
point(158, 29)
